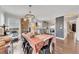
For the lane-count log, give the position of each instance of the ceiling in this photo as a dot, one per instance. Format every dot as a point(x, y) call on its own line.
point(40, 11)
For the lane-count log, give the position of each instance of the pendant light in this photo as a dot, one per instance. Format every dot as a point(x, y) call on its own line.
point(29, 16)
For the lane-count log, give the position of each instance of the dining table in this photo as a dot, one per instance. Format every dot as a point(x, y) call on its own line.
point(38, 41)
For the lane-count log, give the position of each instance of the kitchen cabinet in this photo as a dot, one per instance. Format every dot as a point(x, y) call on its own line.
point(24, 25)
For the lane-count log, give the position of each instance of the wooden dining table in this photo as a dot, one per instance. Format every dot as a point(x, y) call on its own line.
point(38, 41)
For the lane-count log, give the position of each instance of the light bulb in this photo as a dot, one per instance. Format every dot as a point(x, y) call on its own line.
point(24, 19)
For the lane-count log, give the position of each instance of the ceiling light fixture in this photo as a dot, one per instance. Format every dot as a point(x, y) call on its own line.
point(25, 19)
point(29, 16)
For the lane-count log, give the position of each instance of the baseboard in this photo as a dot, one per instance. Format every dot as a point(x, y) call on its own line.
point(60, 38)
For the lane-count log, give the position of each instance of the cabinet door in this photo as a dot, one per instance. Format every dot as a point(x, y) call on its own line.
point(60, 27)
point(24, 25)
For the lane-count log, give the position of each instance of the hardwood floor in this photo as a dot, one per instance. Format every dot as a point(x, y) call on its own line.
point(67, 48)
point(59, 46)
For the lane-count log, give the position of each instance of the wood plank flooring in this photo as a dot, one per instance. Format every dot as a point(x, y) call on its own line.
point(69, 48)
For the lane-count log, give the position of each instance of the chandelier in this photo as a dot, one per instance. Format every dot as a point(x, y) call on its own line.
point(29, 16)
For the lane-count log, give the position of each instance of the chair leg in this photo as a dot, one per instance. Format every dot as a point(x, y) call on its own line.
point(23, 46)
point(53, 46)
point(29, 50)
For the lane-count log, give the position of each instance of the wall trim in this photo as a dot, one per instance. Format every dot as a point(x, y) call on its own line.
point(60, 38)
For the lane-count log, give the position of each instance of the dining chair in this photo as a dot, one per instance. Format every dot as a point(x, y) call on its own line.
point(46, 49)
point(26, 46)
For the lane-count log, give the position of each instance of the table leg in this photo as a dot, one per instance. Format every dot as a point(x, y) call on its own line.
point(34, 51)
point(52, 46)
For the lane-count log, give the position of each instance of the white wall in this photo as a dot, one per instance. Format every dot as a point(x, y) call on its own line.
point(65, 27)
point(8, 19)
point(77, 29)
point(12, 21)
point(1, 18)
